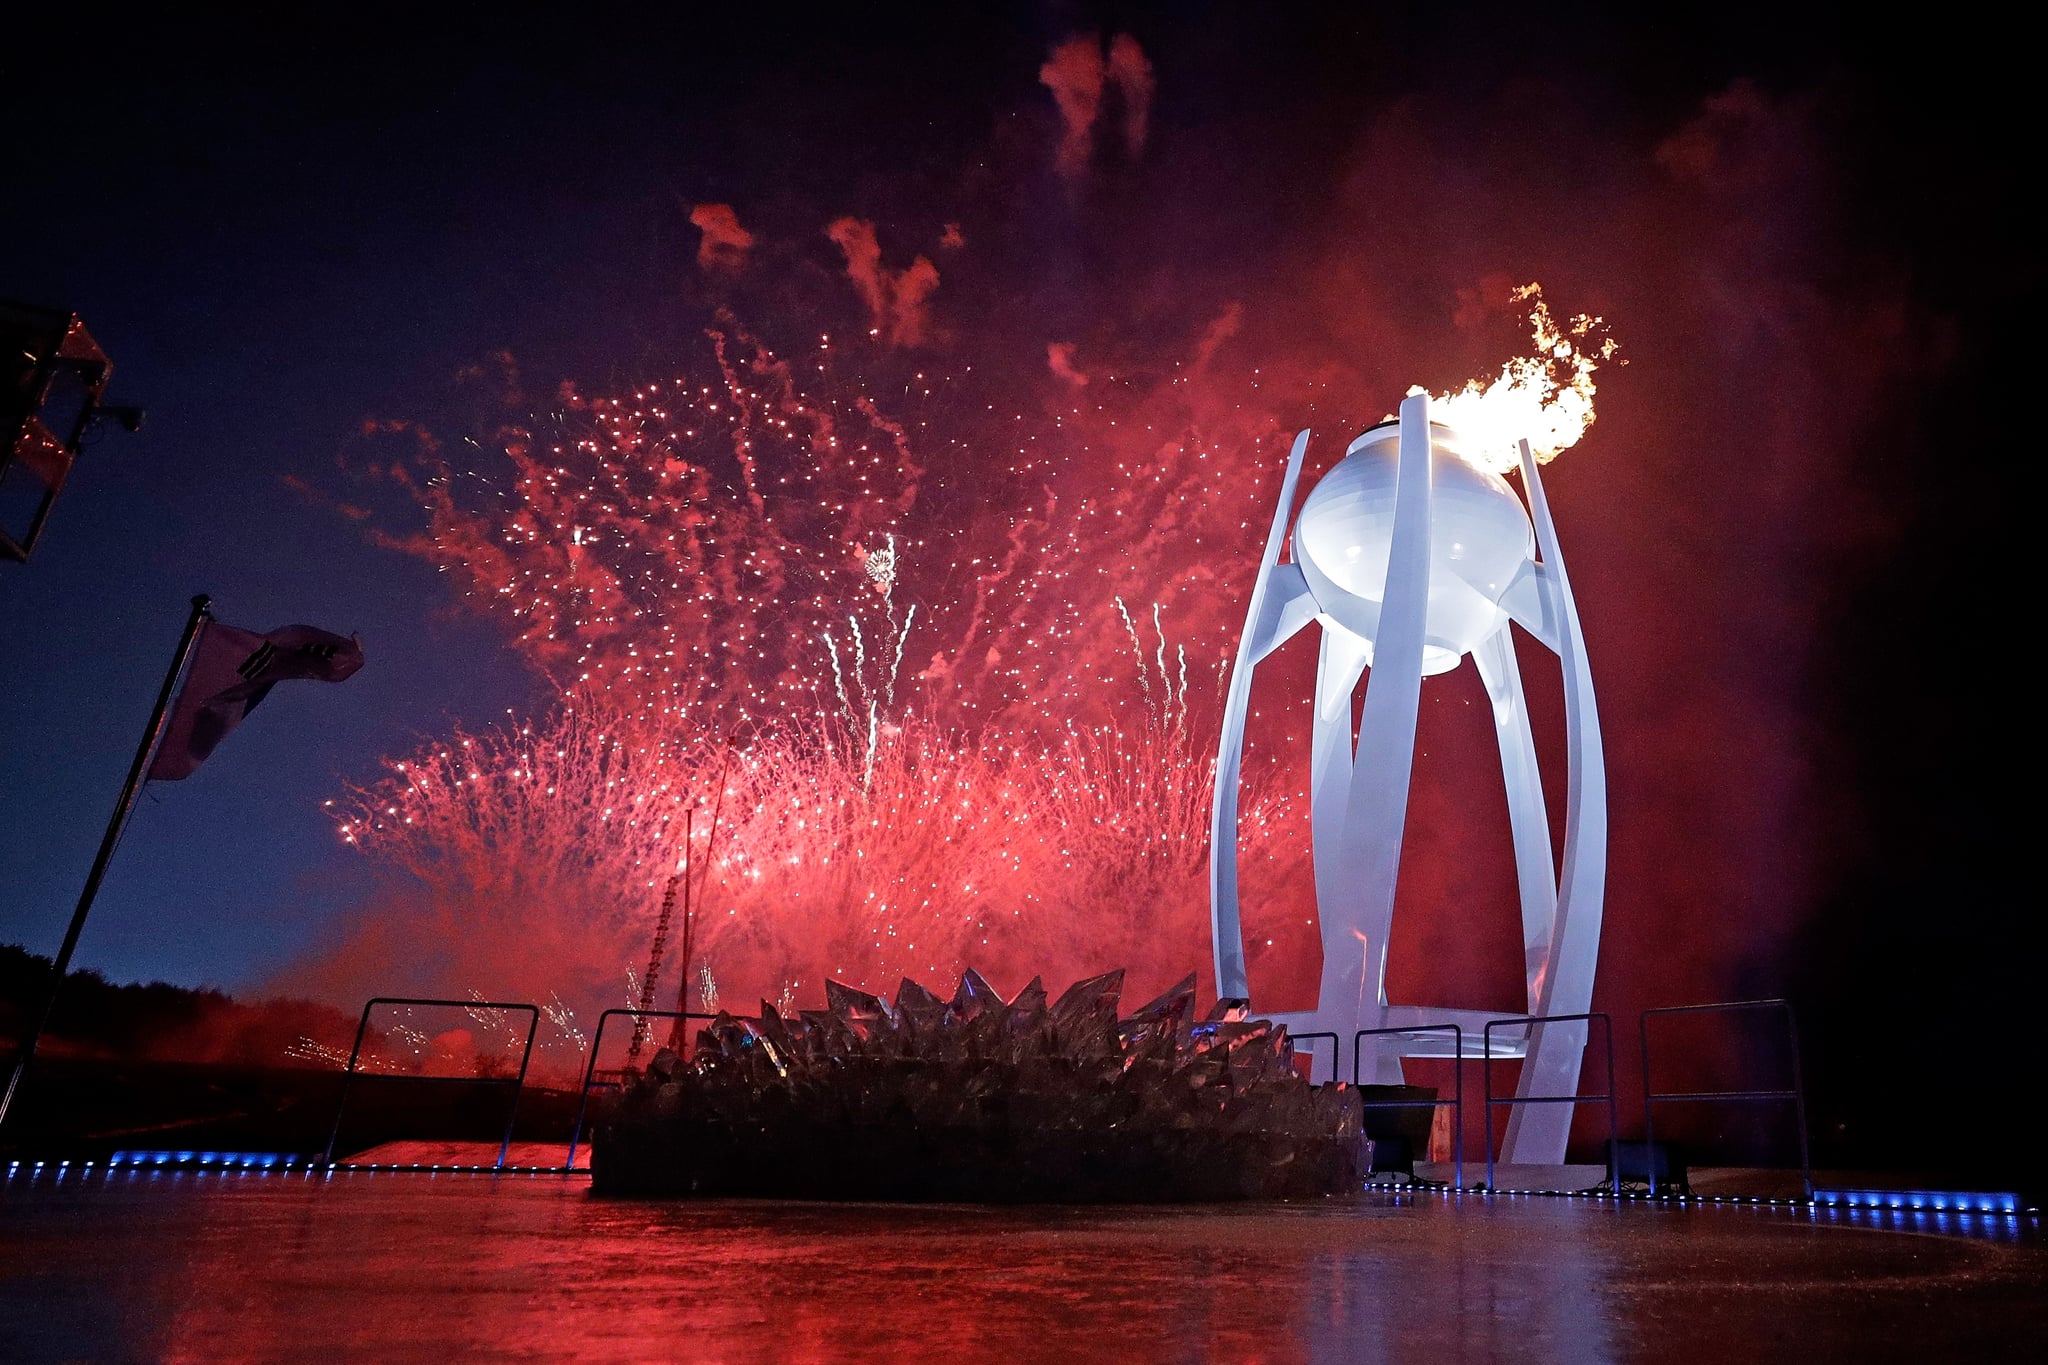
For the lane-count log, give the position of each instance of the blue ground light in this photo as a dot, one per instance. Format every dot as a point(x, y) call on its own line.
point(259, 1163)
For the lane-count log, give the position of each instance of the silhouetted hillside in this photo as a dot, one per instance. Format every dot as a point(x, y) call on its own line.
point(156, 1021)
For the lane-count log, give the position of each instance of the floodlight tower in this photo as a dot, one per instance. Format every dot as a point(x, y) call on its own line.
point(1411, 557)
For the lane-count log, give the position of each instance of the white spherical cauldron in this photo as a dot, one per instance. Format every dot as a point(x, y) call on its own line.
point(1480, 538)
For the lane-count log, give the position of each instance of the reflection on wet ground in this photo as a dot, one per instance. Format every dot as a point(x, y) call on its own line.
point(407, 1267)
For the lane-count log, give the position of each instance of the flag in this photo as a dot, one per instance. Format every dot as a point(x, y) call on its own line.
point(232, 670)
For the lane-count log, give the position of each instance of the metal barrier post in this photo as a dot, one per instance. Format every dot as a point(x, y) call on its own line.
point(1336, 1052)
point(334, 1135)
point(518, 1083)
point(1457, 1102)
point(590, 1069)
point(1797, 1094)
point(1486, 1073)
point(1799, 1101)
point(518, 1088)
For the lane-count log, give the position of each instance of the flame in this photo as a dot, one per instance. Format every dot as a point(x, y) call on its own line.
point(1545, 398)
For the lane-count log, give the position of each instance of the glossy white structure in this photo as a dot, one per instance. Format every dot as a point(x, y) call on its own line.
point(1411, 559)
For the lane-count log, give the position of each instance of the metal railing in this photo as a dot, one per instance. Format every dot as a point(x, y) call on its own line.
point(1534, 1021)
point(1797, 1094)
point(517, 1083)
point(1457, 1100)
point(1336, 1052)
point(590, 1069)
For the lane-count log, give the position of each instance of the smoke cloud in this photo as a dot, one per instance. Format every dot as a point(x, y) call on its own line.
point(898, 301)
point(1131, 74)
point(1078, 74)
point(1059, 357)
point(725, 243)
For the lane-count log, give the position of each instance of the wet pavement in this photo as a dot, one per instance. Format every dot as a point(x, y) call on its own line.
point(390, 1267)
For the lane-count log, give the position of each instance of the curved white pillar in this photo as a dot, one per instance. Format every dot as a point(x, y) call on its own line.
point(1536, 1131)
point(1279, 608)
point(1366, 862)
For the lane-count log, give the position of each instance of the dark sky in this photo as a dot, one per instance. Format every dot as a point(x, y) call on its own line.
point(280, 227)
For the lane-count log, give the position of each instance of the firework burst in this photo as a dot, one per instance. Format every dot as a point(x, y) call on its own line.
point(949, 669)
point(746, 588)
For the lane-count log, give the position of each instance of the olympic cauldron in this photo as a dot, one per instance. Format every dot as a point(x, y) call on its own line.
point(978, 1099)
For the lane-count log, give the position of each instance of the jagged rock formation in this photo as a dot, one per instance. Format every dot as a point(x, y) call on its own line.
point(984, 1100)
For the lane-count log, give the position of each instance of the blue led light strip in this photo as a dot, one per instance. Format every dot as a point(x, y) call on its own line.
point(247, 1161)
point(1940, 1201)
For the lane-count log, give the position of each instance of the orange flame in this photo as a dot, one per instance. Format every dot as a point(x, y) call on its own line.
point(1545, 398)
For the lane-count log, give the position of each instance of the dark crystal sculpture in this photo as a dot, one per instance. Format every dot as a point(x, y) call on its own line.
point(979, 1099)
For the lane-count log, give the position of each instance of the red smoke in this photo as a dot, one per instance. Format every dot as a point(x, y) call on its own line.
point(1131, 74)
point(1077, 73)
point(1059, 358)
point(725, 243)
point(897, 300)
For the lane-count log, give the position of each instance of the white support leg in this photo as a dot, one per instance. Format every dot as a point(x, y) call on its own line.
point(1332, 758)
point(1270, 619)
point(1528, 817)
point(1538, 1132)
point(1376, 807)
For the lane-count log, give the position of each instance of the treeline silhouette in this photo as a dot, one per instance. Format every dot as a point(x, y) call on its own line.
point(156, 1021)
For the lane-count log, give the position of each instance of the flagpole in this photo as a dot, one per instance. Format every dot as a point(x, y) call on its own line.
point(130, 790)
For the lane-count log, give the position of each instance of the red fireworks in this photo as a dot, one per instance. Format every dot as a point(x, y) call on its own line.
point(931, 758)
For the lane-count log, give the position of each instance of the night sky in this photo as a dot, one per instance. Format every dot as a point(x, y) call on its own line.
point(1792, 530)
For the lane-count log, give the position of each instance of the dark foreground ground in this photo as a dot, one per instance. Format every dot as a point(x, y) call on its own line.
point(381, 1266)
